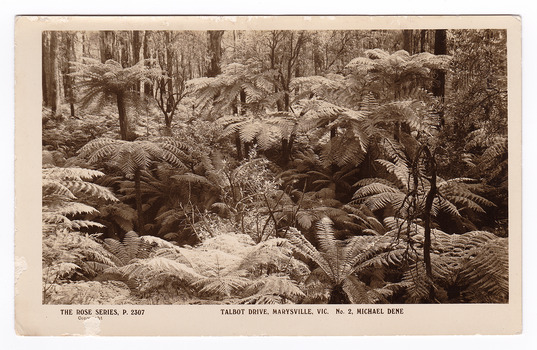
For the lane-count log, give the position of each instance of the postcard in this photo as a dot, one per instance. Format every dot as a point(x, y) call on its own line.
point(268, 175)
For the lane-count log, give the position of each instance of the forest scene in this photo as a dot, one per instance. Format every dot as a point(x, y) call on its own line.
point(275, 167)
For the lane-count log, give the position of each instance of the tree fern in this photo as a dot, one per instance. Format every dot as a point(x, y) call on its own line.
point(223, 91)
point(454, 194)
point(132, 157)
point(336, 261)
point(98, 80)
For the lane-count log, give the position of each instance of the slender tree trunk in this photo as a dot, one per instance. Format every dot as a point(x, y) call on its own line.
point(125, 50)
point(138, 190)
point(407, 40)
point(107, 43)
point(215, 52)
point(45, 68)
point(85, 46)
point(69, 81)
point(170, 101)
point(440, 48)
point(247, 149)
point(136, 46)
point(439, 84)
point(427, 221)
point(285, 149)
point(423, 32)
point(147, 55)
point(55, 75)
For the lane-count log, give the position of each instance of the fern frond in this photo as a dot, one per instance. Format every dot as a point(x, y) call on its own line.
point(222, 286)
point(304, 247)
point(281, 286)
point(486, 273)
point(356, 290)
point(146, 268)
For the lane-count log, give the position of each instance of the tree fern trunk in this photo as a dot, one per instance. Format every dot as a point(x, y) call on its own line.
point(287, 148)
point(238, 146)
point(338, 296)
point(138, 190)
point(247, 149)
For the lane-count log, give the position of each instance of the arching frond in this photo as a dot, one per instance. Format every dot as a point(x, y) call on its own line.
point(131, 156)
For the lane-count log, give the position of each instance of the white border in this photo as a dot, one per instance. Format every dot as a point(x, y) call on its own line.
point(279, 7)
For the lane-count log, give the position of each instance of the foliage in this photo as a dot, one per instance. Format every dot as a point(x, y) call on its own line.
point(133, 157)
point(223, 267)
point(62, 190)
point(337, 261)
point(406, 188)
point(311, 167)
point(68, 254)
point(97, 79)
point(90, 293)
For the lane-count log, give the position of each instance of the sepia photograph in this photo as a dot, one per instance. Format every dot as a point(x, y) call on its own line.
point(275, 167)
point(281, 168)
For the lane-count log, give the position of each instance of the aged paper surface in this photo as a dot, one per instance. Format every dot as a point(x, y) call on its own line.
point(33, 317)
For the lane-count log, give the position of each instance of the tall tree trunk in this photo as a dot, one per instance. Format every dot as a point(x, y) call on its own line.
point(55, 75)
point(124, 52)
point(423, 33)
point(85, 45)
point(138, 191)
point(45, 68)
point(123, 118)
point(170, 102)
point(69, 86)
point(136, 51)
point(107, 40)
point(214, 48)
point(147, 55)
point(136, 46)
point(407, 40)
point(440, 48)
